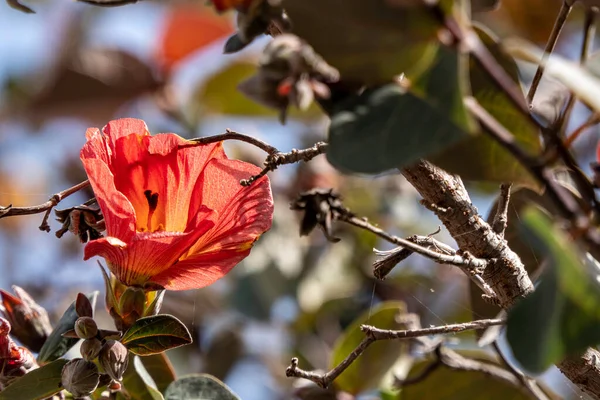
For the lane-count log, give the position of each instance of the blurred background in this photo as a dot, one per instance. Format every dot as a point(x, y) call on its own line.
point(72, 66)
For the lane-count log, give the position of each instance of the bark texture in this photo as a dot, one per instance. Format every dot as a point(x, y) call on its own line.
point(447, 197)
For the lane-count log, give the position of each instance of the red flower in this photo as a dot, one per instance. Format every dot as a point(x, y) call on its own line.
point(176, 216)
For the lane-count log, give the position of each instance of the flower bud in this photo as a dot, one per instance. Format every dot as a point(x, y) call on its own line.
point(15, 361)
point(80, 377)
point(30, 322)
point(86, 327)
point(90, 348)
point(114, 359)
point(132, 303)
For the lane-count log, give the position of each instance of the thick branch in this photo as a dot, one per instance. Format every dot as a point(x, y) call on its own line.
point(507, 276)
point(449, 199)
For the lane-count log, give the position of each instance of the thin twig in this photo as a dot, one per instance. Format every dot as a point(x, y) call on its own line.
point(471, 266)
point(589, 31)
point(421, 376)
point(501, 217)
point(566, 204)
point(386, 334)
point(561, 18)
point(390, 258)
point(275, 157)
point(274, 160)
point(527, 382)
point(325, 379)
point(46, 207)
point(231, 135)
point(453, 360)
point(588, 123)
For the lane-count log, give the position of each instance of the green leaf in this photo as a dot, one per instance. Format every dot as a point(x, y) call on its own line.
point(136, 386)
point(384, 41)
point(562, 316)
point(56, 345)
point(388, 127)
point(40, 383)
point(369, 369)
point(480, 157)
point(160, 370)
point(199, 387)
point(445, 383)
point(155, 334)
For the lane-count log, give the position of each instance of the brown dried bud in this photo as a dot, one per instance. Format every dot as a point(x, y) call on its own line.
point(86, 327)
point(15, 361)
point(320, 207)
point(114, 359)
point(80, 377)
point(90, 348)
point(29, 321)
point(85, 221)
point(290, 72)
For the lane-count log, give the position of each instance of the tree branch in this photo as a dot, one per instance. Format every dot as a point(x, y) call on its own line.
point(501, 217)
point(372, 335)
point(10, 211)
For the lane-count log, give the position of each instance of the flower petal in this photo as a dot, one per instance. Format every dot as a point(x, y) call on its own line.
point(118, 213)
point(200, 270)
point(244, 213)
point(147, 254)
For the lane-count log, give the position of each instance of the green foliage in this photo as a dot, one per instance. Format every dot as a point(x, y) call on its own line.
point(368, 370)
point(376, 131)
point(56, 345)
point(136, 387)
point(198, 387)
point(383, 41)
point(160, 370)
point(445, 383)
point(40, 383)
point(155, 334)
point(480, 157)
point(561, 317)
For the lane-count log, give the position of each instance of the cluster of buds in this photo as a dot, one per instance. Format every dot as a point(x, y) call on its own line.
point(256, 18)
point(29, 321)
point(81, 376)
point(85, 221)
point(127, 304)
point(290, 72)
point(15, 361)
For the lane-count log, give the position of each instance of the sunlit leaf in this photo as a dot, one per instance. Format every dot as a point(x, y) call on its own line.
point(199, 386)
point(135, 385)
point(219, 94)
point(160, 370)
point(40, 383)
point(56, 345)
point(562, 316)
point(155, 334)
point(369, 369)
point(480, 157)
